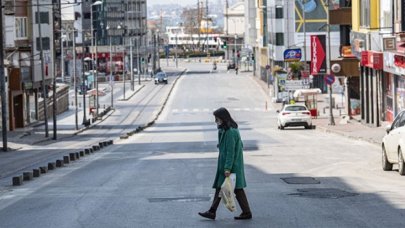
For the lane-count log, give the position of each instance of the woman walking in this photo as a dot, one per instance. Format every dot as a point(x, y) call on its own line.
point(230, 160)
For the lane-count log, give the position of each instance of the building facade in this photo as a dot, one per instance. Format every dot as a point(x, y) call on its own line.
point(28, 25)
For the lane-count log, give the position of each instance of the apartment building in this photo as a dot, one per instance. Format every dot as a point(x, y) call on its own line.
point(28, 25)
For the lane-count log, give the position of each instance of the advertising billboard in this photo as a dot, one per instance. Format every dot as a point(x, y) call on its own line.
point(318, 54)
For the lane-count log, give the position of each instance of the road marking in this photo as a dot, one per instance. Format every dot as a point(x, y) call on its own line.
point(205, 110)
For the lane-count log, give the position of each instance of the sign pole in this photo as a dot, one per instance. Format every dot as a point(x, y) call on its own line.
point(331, 119)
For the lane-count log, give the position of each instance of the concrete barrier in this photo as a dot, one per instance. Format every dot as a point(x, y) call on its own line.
point(44, 169)
point(100, 144)
point(66, 160)
point(91, 150)
point(51, 165)
point(17, 180)
point(81, 153)
point(59, 163)
point(36, 172)
point(77, 155)
point(27, 176)
point(72, 156)
point(96, 147)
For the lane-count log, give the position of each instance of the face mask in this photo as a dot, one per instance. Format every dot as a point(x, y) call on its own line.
point(218, 122)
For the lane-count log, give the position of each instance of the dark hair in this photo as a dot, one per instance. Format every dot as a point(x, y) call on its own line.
point(226, 118)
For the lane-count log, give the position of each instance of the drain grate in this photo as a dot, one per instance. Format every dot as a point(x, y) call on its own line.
point(300, 180)
point(323, 193)
point(179, 199)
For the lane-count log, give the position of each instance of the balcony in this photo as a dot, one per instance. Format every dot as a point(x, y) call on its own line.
point(341, 16)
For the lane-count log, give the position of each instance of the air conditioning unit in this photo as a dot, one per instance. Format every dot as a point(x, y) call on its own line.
point(9, 7)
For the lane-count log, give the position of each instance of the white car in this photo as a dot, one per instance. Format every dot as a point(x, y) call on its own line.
point(393, 145)
point(294, 115)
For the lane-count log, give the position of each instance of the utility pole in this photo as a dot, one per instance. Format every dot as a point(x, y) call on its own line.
point(54, 103)
point(331, 118)
point(131, 64)
point(111, 76)
point(41, 57)
point(3, 86)
point(74, 81)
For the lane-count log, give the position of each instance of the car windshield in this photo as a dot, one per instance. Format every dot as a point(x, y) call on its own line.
point(295, 108)
point(161, 75)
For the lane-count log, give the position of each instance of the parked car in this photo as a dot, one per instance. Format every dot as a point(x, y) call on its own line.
point(393, 145)
point(231, 65)
point(294, 115)
point(161, 77)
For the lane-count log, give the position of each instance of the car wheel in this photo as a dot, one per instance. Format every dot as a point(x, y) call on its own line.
point(308, 126)
point(281, 127)
point(401, 163)
point(386, 166)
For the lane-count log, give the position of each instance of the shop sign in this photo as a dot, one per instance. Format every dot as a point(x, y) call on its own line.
point(358, 43)
point(399, 61)
point(318, 54)
point(389, 44)
point(292, 55)
point(372, 60)
point(390, 65)
point(291, 85)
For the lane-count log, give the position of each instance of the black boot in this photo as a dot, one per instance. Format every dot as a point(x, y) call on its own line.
point(208, 214)
point(244, 215)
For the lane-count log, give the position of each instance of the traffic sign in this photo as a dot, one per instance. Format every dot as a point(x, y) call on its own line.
point(329, 79)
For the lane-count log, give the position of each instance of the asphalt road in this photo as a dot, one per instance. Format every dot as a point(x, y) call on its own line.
point(162, 177)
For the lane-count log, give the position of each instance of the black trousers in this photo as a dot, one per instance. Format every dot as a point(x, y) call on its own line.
point(240, 197)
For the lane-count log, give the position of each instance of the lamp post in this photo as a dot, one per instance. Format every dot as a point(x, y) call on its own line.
point(123, 57)
point(331, 118)
point(94, 61)
point(111, 70)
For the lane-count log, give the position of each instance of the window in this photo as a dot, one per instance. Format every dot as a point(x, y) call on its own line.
point(45, 44)
point(279, 12)
point(20, 28)
point(44, 17)
point(279, 39)
point(365, 13)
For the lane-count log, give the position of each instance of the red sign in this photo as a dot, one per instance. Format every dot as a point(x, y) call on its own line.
point(399, 61)
point(372, 59)
point(318, 54)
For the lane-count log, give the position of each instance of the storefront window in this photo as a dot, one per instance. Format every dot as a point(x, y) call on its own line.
point(400, 94)
point(388, 102)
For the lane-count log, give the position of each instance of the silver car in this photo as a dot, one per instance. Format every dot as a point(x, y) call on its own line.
point(393, 145)
point(161, 77)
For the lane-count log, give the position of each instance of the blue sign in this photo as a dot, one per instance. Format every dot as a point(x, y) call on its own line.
point(292, 55)
point(329, 79)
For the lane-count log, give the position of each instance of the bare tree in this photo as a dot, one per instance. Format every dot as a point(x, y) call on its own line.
point(191, 20)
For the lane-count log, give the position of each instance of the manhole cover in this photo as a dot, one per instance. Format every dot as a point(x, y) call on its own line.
point(179, 199)
point(323, 193)
point(300, 180)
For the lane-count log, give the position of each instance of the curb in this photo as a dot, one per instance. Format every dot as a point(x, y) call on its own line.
point(19, 180)
point(144, 126)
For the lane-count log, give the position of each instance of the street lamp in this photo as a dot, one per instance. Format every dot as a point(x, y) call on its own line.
point(123, 56)
point(94, 61)
point(111, 69)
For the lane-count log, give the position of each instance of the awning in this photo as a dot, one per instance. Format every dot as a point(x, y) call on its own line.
point(306, 92)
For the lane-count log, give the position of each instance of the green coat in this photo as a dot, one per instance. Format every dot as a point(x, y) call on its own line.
point(230, 157)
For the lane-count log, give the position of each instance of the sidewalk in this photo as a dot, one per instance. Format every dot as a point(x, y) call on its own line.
point(352, 128)
point(66, 127)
